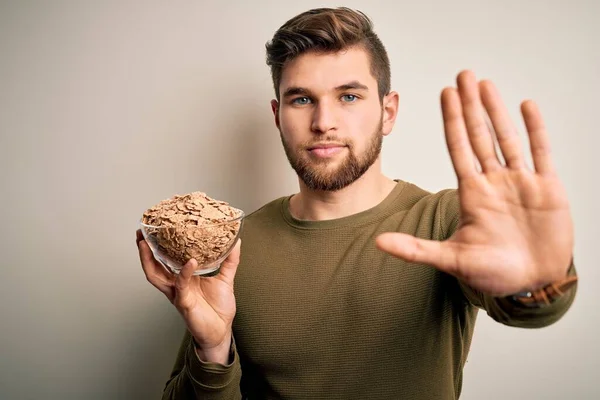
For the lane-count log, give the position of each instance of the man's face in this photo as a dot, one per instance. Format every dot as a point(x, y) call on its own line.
point(330, 117)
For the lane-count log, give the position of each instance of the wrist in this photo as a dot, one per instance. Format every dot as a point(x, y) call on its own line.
point(219, 354)
point(547, 294)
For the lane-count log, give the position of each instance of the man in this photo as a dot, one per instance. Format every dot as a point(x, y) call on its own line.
point(360, 286)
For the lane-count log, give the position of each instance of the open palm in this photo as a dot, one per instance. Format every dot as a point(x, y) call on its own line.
point(515, 232)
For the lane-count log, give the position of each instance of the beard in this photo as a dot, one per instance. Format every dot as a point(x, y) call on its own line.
point(319, 175)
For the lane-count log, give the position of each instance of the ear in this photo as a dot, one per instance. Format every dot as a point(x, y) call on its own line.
point(275, 108)
point(390, 111)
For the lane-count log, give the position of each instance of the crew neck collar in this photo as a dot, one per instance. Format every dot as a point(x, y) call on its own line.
point(356, 219)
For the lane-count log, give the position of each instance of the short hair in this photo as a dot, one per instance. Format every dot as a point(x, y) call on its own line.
point(326, 30)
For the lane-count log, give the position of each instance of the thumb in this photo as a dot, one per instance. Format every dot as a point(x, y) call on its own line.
point(186, 274)
point(230, 264)
point(409, 248)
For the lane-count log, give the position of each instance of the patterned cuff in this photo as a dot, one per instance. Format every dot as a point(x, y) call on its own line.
point(548, 294)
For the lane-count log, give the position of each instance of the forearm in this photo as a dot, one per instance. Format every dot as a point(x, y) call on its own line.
point(193, 378)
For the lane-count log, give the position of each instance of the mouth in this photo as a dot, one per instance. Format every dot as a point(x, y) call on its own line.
point(326, 149)
point(328, 145)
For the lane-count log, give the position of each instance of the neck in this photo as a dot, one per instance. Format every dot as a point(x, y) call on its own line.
point(364, 193)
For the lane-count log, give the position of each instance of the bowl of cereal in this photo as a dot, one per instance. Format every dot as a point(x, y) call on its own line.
point(192, 226)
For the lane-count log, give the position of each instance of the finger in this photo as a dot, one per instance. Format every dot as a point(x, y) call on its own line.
point(508, 140)
point(457, 141)
point(138, 237)
point(155, 273)
point(229, 266)
point(474, 114)
point(538, 138)
point(184, 279)
point(407, 247)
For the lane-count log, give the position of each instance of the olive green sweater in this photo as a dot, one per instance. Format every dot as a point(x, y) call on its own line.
point(323, 314)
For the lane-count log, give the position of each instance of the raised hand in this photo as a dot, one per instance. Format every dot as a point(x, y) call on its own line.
point(207, 305)
point(515, 232)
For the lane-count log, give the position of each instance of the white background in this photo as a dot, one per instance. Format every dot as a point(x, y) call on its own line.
point(107, 107)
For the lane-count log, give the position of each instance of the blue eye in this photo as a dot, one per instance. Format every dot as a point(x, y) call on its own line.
point(301, 101)
point(349, 98)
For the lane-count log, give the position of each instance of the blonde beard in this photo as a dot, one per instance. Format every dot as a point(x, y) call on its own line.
point(316, 176)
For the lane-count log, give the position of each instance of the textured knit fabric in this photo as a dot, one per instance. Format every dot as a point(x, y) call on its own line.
point(323, 314)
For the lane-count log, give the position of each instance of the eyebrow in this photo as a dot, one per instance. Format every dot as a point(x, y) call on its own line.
point(352, 85)
point(297, 90)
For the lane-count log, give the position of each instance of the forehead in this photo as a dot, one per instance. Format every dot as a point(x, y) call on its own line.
point(325, 71)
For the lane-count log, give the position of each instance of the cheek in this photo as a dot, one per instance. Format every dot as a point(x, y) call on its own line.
point(362, 125)
point(292, 123)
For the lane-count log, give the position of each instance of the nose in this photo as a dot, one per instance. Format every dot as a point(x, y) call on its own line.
point(324, 118)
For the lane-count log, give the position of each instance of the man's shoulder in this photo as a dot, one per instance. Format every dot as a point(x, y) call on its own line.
point(267, 211)
point(413, 194)
point(440, 207)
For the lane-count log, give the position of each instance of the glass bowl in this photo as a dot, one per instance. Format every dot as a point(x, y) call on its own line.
point(209, 243)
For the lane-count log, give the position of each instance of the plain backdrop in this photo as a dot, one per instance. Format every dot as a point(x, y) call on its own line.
point(107, 107)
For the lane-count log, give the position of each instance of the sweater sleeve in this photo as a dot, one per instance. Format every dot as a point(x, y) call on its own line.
point(502, 309)
point(192, 378)
point(507, 312)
